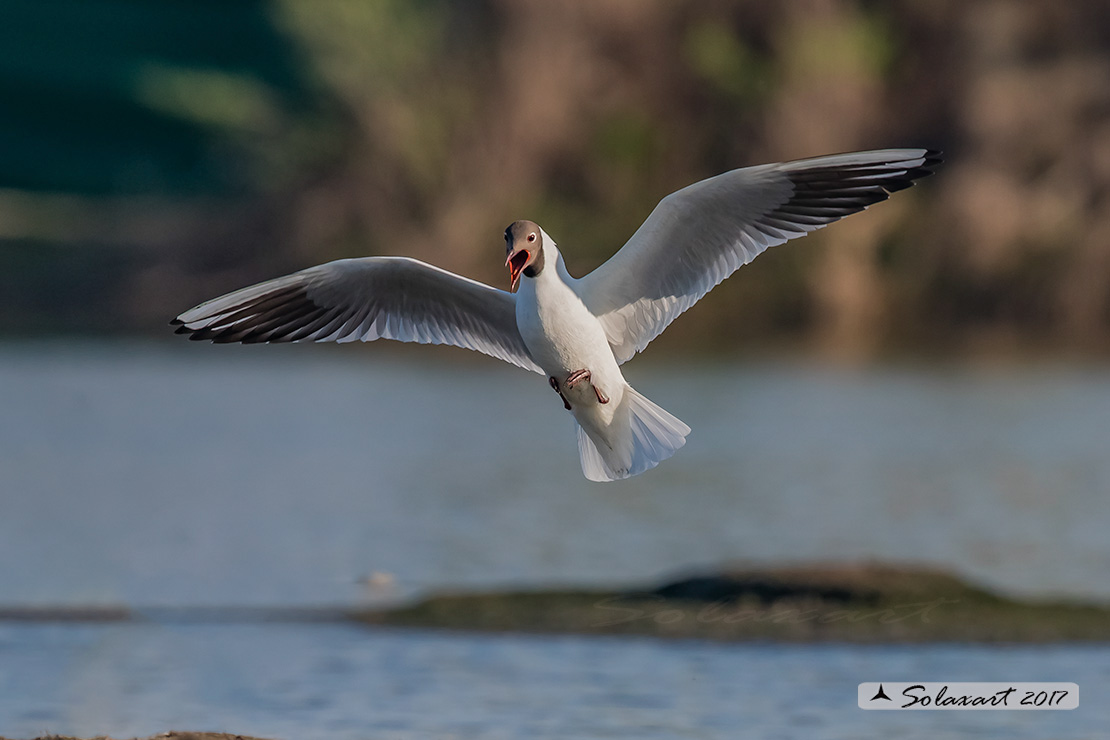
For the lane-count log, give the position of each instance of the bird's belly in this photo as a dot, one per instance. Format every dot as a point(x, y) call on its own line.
point(561, 354)
point(563, 337)
point(562, 342)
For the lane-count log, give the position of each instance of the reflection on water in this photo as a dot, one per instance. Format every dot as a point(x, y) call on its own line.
point(191, 474)
point(339, 682)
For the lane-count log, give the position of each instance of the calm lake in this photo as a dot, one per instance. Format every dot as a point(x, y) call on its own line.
point(163, 475)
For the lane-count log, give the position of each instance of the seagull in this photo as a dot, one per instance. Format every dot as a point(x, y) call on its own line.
point(575, 331)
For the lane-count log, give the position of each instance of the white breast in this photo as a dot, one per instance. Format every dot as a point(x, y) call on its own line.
point(560, 332)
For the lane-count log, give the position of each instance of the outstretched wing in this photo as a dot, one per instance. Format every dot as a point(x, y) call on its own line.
point(698, 236)
point(366, 299)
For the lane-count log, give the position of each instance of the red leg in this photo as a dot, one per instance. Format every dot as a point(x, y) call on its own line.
point(577, 377)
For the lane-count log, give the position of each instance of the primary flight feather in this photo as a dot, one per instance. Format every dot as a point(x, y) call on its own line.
point(577, 332)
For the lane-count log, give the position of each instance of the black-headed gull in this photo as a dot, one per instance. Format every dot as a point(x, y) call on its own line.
point(577, 332)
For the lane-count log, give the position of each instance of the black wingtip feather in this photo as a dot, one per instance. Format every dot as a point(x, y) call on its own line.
point(933, 159)
point(824, 194)
point(286, 315)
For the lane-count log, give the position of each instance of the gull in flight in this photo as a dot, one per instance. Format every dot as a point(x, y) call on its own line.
point(575, 331)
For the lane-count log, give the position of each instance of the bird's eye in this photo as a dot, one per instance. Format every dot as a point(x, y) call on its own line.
point(532, 237)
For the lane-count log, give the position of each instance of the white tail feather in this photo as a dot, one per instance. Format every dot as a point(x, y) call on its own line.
point(643, 435)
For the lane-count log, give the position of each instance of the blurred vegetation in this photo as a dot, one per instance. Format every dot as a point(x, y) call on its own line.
point(863, 603)
point(153, 155)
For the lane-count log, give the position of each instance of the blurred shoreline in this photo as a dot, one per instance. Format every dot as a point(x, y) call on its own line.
point(985, 351)
point(856, 603)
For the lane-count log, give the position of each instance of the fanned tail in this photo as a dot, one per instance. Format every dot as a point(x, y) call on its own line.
point(641, 436)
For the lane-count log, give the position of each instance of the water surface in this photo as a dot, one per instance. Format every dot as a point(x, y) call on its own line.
point(194, 475)
point(337, 682)
point(190, 475)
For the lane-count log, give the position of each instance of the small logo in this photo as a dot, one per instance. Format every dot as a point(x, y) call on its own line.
point(880, 694)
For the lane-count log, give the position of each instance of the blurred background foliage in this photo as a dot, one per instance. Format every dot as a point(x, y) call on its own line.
point(153, 155)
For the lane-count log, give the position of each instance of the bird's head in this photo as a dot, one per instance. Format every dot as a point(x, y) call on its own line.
point(524, 243)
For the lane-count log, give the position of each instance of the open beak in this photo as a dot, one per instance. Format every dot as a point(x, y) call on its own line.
point(516, 262)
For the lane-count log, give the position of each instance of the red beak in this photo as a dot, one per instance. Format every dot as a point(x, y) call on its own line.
point(516, 262)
